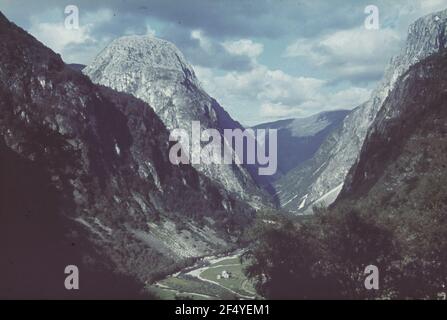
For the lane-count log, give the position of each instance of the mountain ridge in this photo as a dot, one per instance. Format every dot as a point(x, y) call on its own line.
point(416, 104)
point(155, 71)
point(320, 180)
point(299, 138)
point(103, 157)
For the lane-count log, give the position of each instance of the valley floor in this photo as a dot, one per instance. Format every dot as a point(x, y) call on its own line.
point(204, 281)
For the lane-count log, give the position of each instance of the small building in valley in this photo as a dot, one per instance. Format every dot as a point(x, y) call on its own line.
point(224, 275)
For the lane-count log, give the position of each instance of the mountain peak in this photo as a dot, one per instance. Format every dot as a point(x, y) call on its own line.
point(426, 36)
point(155, 71)
point(142, 52)
point(434, 18)
point(309, 126)
point(319, 180)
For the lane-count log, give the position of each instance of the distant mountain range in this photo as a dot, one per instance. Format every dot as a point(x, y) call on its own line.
point(300, 138)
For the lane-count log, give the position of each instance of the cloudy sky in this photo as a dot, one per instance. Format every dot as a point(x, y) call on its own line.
point(263, 60)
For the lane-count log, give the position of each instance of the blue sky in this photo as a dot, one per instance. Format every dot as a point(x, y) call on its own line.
point(263, 60)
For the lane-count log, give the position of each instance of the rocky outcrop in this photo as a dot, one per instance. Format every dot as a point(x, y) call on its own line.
point(155, 71)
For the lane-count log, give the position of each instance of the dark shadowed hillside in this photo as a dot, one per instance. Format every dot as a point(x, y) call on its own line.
point(392, 212)
point(86, 180)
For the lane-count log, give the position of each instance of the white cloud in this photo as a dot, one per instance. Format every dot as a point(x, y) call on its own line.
point(279, 111)
point(262, 84)
point(57, 37)
point(150, 31)
point(347, 98)
point(263, 94)
point(68, 41)
point(204, 42)
point(352, 54)
point(429, 6)
point(244, 47)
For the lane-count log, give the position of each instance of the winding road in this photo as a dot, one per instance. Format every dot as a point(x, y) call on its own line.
point(197, 274)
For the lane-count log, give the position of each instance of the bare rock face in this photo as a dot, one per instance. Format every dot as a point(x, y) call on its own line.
point(320, 180)
point(404, 150)
point(85, 179)
point(155, 71)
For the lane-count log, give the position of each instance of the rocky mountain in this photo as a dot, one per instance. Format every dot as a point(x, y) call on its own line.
point(300, 138)
point(319, 180)
point(85, 179)
point(406, 146)
point(390, 214)
point(155, 71)
point(400, 178)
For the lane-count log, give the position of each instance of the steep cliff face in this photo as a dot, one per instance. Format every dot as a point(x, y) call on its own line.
point(155, 71)
point(400, 178)
point(407, 142)
point(100, 159)
point(320, 180)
